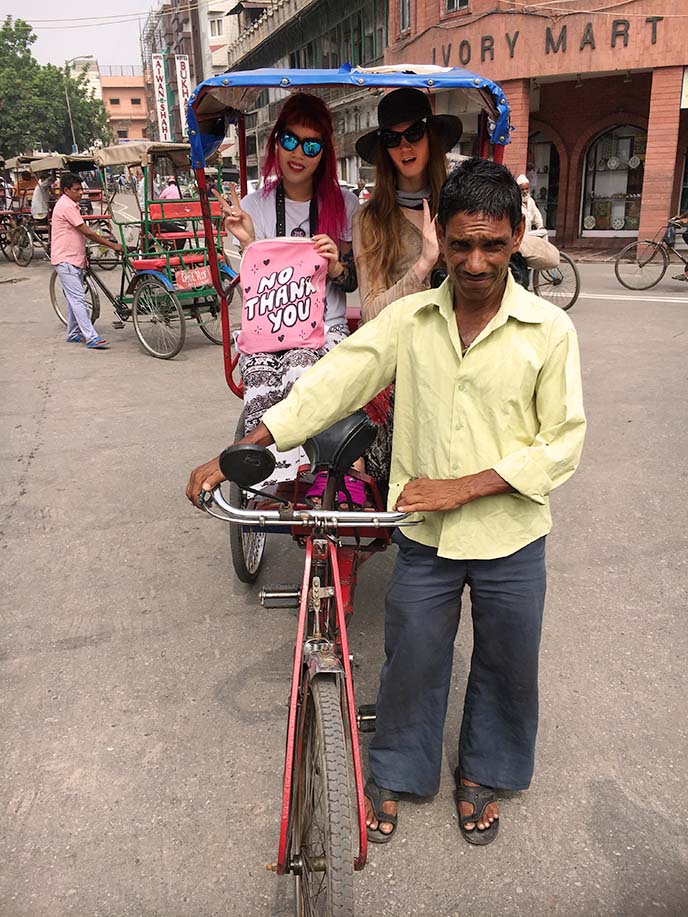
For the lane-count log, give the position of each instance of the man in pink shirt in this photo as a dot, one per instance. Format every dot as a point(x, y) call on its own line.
point(68, 234)
point(171, 192)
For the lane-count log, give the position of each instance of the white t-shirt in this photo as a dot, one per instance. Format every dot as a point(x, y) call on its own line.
point(39, 201)
point(261, 208)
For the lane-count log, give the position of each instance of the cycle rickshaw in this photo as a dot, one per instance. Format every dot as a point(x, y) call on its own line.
point(165, 278)
point(30, 233)
point(320, 842)
point(17, 209)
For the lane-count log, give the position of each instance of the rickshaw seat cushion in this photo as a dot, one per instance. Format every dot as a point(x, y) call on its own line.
point(180, 210)
point(341, 444)
point(155, 264)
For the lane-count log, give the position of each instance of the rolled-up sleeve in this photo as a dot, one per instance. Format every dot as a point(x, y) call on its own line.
point(554, 454)
point(340, 383)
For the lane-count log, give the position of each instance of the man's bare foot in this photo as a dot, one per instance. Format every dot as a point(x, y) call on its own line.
point(490, 814)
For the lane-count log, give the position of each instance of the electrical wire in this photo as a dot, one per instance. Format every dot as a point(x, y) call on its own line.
point(539, 9)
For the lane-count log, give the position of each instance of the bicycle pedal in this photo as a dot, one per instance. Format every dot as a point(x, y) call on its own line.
point(365, 717)
point(118, 325)
point(280, 596)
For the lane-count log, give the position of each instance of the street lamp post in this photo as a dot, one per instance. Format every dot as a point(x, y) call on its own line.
point(68, 63)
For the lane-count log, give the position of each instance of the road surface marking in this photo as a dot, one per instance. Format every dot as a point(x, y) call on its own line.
point(623, 296)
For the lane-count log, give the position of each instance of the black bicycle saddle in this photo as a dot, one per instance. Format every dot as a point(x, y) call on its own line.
point(341, 444)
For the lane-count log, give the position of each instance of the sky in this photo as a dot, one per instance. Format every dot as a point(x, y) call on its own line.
point(59, 40)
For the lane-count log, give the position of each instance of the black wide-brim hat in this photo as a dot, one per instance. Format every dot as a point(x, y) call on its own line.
point(408, 105)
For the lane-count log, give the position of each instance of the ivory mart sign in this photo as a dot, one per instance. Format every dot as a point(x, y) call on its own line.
point(161, 104)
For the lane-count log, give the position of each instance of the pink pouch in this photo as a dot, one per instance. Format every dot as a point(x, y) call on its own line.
point(283, 284)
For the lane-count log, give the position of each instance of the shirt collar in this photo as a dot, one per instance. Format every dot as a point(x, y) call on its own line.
point(516, 302)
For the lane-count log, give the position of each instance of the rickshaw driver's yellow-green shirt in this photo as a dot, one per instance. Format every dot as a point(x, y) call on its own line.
point(513, 403)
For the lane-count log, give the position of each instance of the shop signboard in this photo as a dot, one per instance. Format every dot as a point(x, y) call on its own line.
point(183, 88)
point(161, 106)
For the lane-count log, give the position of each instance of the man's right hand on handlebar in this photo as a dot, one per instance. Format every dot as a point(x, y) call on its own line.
point(207, 476)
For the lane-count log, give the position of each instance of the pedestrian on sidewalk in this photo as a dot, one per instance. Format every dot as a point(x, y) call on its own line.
point(68, 255)
point(682, 218)
point(488, 419)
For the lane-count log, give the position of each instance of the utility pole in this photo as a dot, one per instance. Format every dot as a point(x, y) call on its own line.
point(68, 63)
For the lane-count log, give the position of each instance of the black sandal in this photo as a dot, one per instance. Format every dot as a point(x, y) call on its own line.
point(480, 798)
point(377, 795)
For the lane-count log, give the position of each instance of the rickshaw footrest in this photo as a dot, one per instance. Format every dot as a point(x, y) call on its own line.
point(281, 596)
point(118, 325)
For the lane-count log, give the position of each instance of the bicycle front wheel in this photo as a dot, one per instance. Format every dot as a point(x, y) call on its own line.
point(559, 285)
point(59, 300)
point(22, 246)
point(158, 319)
point(322, 850)
point(641, 265)
point(246, 545)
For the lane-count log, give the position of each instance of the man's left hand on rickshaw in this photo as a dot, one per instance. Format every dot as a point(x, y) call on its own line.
point(423, 495)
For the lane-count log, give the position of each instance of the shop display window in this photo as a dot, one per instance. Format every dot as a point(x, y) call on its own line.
point(613, 184)
point(543, 177)
point(684, 187)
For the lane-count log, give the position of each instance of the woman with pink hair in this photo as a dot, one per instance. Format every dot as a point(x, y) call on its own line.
point(300, 197)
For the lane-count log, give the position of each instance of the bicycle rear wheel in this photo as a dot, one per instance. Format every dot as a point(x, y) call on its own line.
point(321, 846)
point(246, 545)
point(59, 300)
point(100, 255)
point(558, 285)
point(22, 246)
point(641, 265)
point(158, 319)
point(208, 314)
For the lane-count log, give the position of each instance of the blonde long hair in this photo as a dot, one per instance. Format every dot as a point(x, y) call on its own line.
point(381, 218)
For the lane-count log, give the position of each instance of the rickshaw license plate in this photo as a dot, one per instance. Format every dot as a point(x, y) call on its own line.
point(193, 277)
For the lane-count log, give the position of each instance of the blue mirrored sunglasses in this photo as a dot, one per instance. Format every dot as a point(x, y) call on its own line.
point(310, 147)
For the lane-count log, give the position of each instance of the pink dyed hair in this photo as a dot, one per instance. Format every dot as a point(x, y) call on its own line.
point(311, 112)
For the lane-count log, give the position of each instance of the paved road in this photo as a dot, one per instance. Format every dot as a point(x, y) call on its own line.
point(144, 691)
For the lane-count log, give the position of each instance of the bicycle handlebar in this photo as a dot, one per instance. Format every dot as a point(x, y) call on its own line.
point(289, 516)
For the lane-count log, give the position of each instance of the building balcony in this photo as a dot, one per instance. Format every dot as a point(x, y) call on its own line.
point(274, 19)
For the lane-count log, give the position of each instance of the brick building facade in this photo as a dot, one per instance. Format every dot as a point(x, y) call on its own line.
point(597, 100)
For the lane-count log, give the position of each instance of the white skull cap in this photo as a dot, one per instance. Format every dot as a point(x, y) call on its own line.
point(522, 180)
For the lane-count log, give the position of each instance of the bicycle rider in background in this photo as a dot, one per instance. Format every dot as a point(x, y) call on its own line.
point(682, 218)
point(536, 252)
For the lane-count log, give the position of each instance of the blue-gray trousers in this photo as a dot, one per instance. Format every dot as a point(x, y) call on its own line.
point(422, 609)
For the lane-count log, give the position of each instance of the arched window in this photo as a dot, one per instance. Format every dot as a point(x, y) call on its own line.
point(543, 176)
point(613, 183)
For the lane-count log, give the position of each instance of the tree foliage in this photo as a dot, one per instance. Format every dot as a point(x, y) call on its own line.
point(33, 105)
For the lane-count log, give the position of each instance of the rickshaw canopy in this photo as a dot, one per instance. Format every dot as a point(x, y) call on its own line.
point(141, 152)
point(74, 161)
point(24, 159)
point(219, 101)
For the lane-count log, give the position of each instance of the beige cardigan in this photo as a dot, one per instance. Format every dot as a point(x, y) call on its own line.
point(374, 296)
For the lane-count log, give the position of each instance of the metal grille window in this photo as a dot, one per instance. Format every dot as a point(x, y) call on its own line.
point(404, 15)
point(451, 6)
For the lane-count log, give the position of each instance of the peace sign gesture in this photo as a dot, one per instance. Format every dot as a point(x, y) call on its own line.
point(237, 221)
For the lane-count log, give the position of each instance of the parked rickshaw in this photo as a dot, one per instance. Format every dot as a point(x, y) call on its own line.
point(16, 207)
point(318, 843)
point(30, 233)
point(165, 274)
